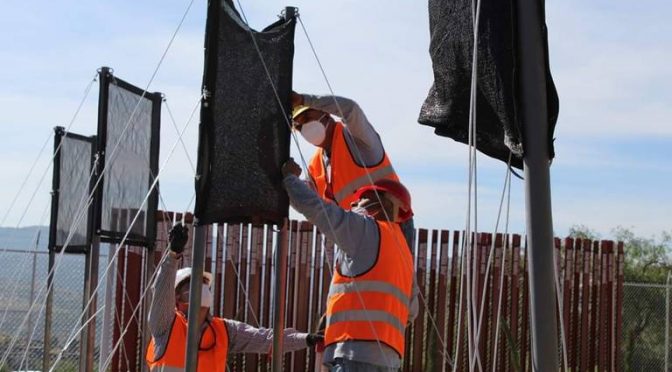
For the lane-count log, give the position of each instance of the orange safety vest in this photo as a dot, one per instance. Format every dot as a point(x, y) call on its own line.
point(211, 354)
point(346, 175)
point(381, 313)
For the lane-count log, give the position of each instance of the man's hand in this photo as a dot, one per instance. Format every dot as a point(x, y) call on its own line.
point(178, 237)
point(290, 167)
point(296, 99)
point(315, 339)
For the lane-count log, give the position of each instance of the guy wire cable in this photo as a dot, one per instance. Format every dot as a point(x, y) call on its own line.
point(77, 220)
point(25, 318)
point(121, 244)
point(468, 242)
point(72, 121)
point(115, 148)
point(37, 321)
point(25, 180)
point(113, 152)
point(370, 179)
point(501, 284)
point(491, 255)
point(151, 189)
point(303, 159)
point(193, 168)
point(18, 272)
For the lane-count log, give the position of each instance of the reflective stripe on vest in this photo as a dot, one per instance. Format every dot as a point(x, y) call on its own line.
point(166, 369)
point(211, 355)
point(366, 316)
point(374, 306)
point(346, 175)
point(371, 286)
point(366, 179)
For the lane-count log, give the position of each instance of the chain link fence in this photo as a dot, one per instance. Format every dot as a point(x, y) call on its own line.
point(23, 275)
point(646, 327)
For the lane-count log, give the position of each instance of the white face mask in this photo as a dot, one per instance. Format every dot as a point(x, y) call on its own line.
point(359, 209)
point(206, 296)
point(314, 132)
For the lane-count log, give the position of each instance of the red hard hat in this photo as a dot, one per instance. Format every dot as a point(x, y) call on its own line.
point(394, 189)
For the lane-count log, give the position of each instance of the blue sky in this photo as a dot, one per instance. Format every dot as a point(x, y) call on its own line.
point(609, 59)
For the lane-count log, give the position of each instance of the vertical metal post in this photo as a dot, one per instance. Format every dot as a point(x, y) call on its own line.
point(150, 268)
point(197, 265)
point(108, 314)
point(667, 322)
point(280, 272)
point(46, 355)
point(88, 335)
point(85, 300)
point(531, 53)
point(55, 185)
point(32, 290)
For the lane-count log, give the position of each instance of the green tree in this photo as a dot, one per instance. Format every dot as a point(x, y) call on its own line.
point(583, 232)
point(647, 260)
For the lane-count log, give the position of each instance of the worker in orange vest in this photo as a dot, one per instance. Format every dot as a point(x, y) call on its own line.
point(372, 296)
point(349, 152)
point(219, 336)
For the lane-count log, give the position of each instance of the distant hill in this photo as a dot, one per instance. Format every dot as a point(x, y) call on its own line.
point(24, 238)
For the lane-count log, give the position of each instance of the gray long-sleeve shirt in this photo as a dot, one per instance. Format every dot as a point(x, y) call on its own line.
point(357, 238)
point(243, 338)
point(360, 134)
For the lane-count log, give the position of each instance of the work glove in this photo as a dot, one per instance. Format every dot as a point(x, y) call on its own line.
point(317, 340)
point(290, 167)
point(178, 237)
point(318, 336)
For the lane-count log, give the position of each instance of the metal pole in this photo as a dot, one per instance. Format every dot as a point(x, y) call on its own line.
point(46, 355)
point(32, 290)
point(88, 336)
point(108, 313)
point(667, 323)
point(85, 300)
point(280, 272)
point(543, 321)
point(197, 265)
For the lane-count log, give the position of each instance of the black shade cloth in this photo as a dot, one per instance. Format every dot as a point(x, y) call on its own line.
point(447, 105)
point(244, 138)
point(71, 183)
point(130, 123)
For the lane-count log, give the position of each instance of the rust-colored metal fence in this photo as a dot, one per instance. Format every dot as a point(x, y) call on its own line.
point(590, 277)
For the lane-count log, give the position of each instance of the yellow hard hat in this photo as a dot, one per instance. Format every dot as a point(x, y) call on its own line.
point(298, 110)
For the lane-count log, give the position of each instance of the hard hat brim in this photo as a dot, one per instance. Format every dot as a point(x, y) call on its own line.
point(185, 273)
point(298, 110)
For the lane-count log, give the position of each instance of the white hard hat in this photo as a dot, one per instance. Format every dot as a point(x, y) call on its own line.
point(185, 273)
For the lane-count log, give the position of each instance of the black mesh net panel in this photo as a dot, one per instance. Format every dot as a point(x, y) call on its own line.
point(244, 138)
point(132, 127)
point(447, 105)
point(72, 174)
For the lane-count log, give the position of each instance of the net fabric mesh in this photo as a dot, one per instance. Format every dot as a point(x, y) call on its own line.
point(75, 169)
point(127, 177)
point(446, 107)
point(244, 138)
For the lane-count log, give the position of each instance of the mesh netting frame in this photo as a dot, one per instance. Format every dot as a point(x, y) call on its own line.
point(59, 134)
point(106, 77)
